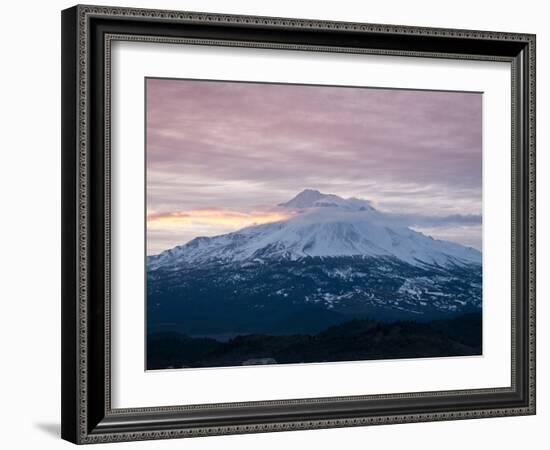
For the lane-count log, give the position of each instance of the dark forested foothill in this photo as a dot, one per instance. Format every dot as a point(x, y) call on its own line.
point(349, 341)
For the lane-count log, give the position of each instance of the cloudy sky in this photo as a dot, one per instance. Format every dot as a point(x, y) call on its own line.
point(221, 155)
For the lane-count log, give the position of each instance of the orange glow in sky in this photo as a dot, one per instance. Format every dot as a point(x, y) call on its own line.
point(217, 217)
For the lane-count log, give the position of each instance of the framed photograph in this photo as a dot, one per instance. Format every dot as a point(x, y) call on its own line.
point(277, 224)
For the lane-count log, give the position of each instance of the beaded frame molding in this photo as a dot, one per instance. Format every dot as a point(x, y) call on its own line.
point(87, 35)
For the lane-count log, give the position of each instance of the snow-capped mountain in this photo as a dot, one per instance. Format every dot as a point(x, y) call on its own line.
point(324, 226)
point(331, 260)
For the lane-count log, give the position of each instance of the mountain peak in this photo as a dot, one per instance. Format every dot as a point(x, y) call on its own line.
point(306, 199)
point(312, 198)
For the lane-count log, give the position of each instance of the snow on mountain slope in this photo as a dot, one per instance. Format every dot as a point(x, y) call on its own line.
point(324, 225)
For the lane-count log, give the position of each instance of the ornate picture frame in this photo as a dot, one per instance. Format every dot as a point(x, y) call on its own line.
point(88, 33)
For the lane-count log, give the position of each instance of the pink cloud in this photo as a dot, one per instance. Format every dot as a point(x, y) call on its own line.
point(245, 146)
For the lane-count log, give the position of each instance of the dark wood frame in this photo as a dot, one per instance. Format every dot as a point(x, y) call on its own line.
point(87, 32)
